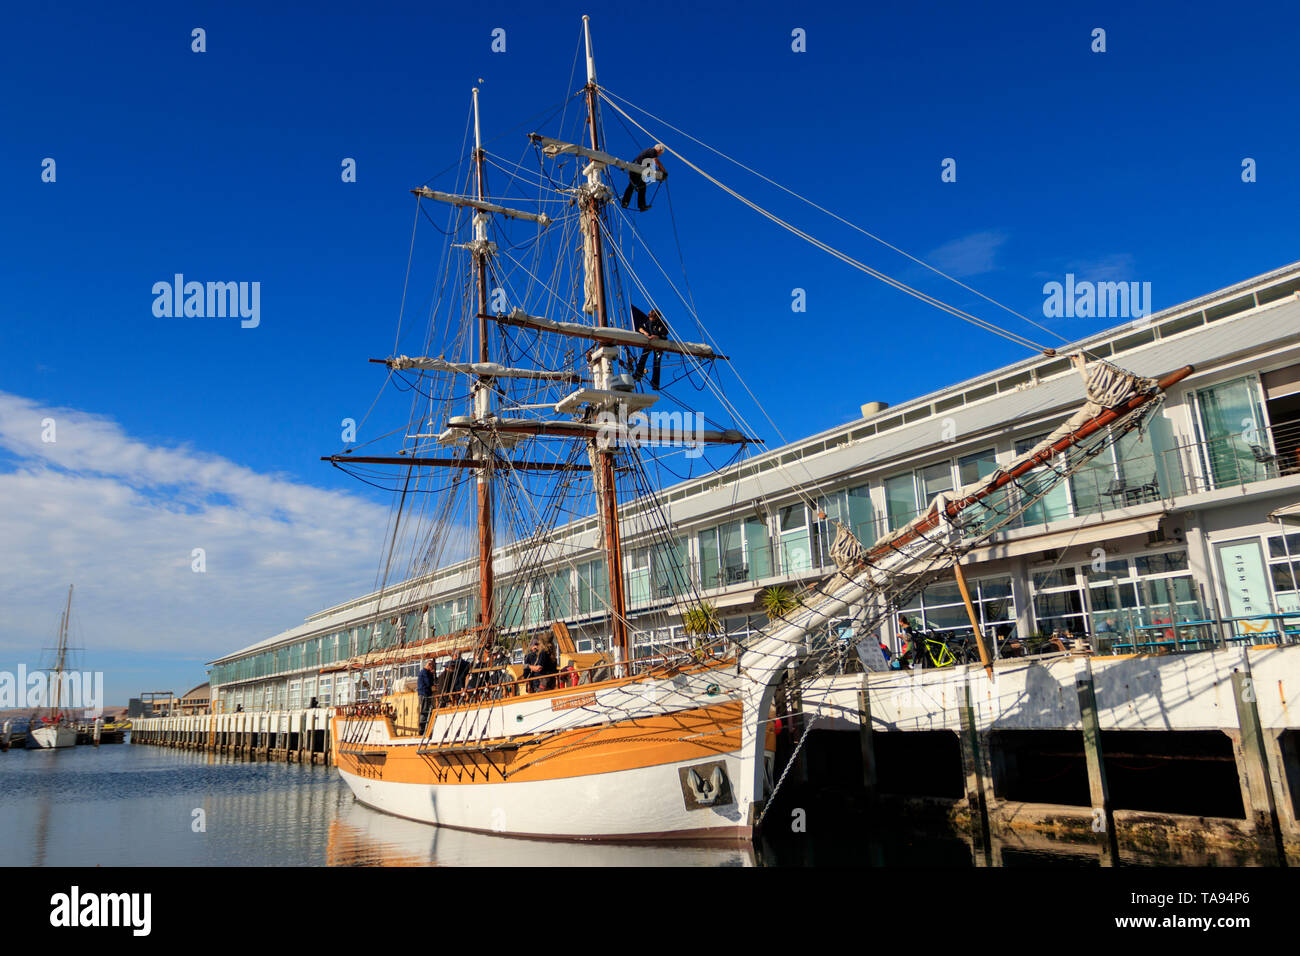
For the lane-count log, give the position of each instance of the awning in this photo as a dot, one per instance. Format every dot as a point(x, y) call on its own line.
point(1073, 538)
point(1288, 515)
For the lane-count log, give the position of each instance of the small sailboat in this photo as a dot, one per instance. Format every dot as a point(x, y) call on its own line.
point(53, 730)
point(643, 739)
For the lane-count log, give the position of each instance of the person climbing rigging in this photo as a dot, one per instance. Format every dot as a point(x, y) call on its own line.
point(654, 326)
point(636, 181)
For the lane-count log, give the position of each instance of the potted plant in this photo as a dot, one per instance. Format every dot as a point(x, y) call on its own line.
point(701, 620)
point(777, 601)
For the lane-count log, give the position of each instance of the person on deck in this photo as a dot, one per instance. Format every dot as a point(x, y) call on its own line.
point(911, 647)
point(539, 668)
point(424, 687)
point(635, 180)
point(654, 326)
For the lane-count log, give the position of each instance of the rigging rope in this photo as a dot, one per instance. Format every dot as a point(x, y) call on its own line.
point(846, 258)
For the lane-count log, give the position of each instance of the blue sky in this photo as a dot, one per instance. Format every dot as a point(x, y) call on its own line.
point(225, 165)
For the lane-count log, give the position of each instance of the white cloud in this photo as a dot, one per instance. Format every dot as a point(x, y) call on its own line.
point(120, 518)
point(1112, 268)
point(968, 256)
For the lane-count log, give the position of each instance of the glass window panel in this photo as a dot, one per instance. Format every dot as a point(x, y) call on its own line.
point(558, 600)
point(1277, 547)
point(900, 500)
point(973, 467)
point(945, 592)
point(1137, 455)
point(935, 479)
point(946, 617)
point(1111, 569)
point(670, 569)
point(710, 563)
point(1282, 580)
point(796, 540)
point(1057, 577)
point(995, 587)
point(860, 518)
point(756, 545)
point(1050, 505)
point(1231, 423)
point(793, 517)
point(1094, 478)
point(731, 541)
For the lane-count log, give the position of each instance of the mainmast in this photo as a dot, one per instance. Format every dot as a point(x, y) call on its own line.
point(602, 360)
point(483, 397)
point(61, 654)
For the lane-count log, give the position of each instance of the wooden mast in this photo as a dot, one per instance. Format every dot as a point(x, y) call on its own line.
point(605, 456)
point(483, 399)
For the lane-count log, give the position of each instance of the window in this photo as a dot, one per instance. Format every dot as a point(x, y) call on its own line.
point(900, 500)
point(1232, 431)
point(975, 466)
point(796, 539)
point(669, 568)
point(1058, 601)
point(852, 508)
point(593, 587)
point(1131, 597)
point(450, 616)
point(559, 597)
point(1048, 501)
point(1284, 569)
point(940, 609)
point(907, 495)
point(733, 552)
point(636, 574)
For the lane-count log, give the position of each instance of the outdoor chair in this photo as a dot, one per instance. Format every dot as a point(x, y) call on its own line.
point(1265, 458)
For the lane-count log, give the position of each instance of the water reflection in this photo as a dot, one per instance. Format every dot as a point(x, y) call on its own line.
point(360, 836)
point(129, 805)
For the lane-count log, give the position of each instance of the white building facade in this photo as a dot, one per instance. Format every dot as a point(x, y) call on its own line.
point(1164, 537)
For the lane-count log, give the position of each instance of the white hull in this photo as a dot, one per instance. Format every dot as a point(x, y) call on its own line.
point(54, 737)
point(362, 837)
point(637, 804)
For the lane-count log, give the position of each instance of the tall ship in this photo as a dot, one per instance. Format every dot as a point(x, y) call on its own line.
point(53, 730)
point(536, 399)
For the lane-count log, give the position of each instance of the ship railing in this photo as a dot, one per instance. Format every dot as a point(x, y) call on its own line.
point(486, 685)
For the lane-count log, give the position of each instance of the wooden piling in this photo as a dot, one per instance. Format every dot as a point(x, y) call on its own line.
point(1103, 816)
point(867, 740)
point(973, 772)
point(1257, 788)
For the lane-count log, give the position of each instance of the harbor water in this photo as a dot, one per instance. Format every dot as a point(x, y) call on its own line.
point(125, 805)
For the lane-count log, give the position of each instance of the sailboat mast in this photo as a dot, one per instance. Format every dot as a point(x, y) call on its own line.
point(483, 398)
point(62, 652)
point(608, 491)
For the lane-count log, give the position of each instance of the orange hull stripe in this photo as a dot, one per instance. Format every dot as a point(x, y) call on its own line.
point(699, 734)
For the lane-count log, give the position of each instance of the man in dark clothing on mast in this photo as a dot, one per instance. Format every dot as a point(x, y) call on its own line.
point(653, 326)
point(635, 180)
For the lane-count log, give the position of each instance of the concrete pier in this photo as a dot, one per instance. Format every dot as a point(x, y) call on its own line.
point(1100, 749)
point(294, 736)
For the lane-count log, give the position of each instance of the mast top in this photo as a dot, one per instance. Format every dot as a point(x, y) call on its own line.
point(591, 57)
